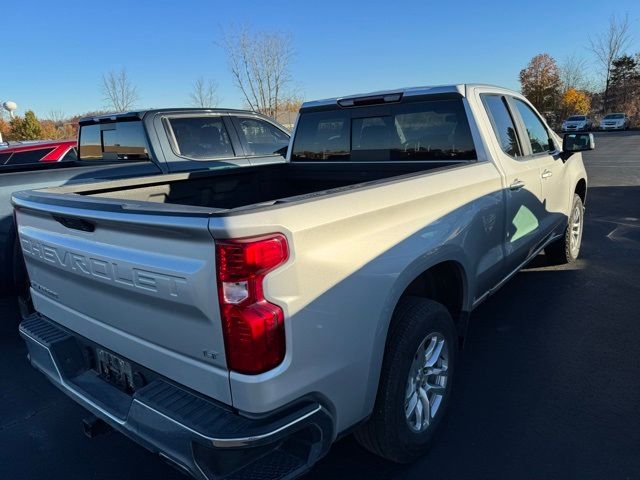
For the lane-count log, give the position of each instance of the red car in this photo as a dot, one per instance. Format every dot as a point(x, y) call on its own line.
point(47, 151)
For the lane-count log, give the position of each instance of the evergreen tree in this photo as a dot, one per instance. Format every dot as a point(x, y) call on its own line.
point(27, 128)
point(624, 86)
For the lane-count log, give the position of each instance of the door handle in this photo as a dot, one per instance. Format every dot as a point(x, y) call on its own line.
point(516, 185)
point(547, 173)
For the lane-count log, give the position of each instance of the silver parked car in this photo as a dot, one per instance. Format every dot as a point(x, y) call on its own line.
point(577, 123)
point(615, 121)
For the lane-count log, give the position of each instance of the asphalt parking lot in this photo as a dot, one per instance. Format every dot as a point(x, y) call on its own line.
point(548, 386)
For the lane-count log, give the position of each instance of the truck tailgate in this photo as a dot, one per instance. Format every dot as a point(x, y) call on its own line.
point(139, 282)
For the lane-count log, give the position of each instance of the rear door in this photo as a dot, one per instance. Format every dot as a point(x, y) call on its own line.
point(140, 283)
point(198, 141)
point(544, 151)
point(523, 190)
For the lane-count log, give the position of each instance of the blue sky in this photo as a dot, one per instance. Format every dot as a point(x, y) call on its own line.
point(54, 53)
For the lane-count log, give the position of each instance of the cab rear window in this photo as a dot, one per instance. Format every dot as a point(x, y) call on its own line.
point(417, 131)
point(123, 141)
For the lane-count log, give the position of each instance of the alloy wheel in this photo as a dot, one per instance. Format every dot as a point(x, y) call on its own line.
point(427, 382)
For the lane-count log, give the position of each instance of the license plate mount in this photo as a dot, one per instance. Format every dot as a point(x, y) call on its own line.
point(115, 370)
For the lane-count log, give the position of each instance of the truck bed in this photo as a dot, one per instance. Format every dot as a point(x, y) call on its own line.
point(245, 188)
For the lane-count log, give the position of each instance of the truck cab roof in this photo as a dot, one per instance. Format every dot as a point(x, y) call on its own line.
point(395, 95)
point(140, 114)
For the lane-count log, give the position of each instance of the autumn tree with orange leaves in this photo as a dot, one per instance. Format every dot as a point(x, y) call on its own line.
point(575, 102)
point(540, 82)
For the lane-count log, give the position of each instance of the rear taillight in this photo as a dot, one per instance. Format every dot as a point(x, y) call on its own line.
point(253, 328)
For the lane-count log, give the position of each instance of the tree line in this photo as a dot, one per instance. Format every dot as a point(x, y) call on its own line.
point(572, 88)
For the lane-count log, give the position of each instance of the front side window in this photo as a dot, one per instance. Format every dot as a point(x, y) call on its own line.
point(116, 141)
point(262, 138)
point(502, 124)
point(201, 137)
point(536, 131)
point(415, 131)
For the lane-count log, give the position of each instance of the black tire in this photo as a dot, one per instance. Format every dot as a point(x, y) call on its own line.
point(562, 251)
point(387, 432)
point(21, 283)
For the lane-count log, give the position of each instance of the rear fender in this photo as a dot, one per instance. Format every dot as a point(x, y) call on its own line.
point(410, 273)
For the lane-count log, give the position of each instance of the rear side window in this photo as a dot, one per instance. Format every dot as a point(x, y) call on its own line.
point(415, 131)
point(262, 138)
point(536, 131)
point(116, 141)
point(30, 156)
point(502, 124)
point(201, 137)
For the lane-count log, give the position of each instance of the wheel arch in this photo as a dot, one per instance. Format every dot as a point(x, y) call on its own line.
point(418, 279)
point(581, 190)
point(444, 282)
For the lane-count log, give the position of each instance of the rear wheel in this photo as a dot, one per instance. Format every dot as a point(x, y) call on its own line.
point(567, 248)
point(415, 382)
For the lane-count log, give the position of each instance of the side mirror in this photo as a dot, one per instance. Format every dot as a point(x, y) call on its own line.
point(577, 142)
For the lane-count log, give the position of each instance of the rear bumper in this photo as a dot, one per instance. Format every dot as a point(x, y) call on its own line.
point(199, 436)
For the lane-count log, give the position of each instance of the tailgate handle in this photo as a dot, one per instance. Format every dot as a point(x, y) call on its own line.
point(75, 223)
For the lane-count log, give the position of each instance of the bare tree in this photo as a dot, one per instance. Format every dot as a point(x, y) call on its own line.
point(259, 63)
point(119, 94)
point(608, 46)
point(573, 73)
point(56, 116)
point(204, 93)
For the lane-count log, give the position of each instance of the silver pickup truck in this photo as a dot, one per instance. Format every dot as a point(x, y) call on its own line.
point(238, 321)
